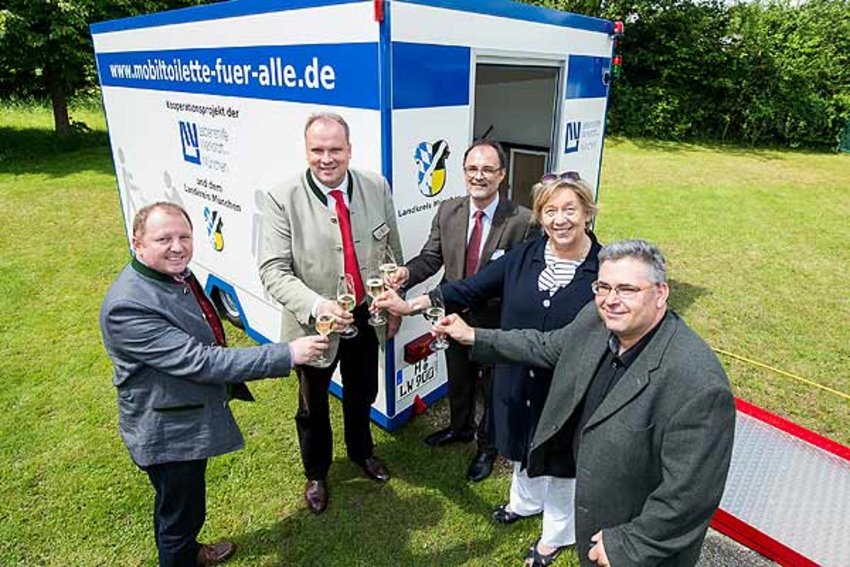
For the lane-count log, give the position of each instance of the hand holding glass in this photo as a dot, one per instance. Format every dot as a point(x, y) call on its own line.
point(388, 268)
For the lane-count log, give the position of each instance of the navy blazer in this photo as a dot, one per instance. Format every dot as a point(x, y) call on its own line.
point(519, 391)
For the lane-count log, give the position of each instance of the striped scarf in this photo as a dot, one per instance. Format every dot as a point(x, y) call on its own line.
point(557, 273)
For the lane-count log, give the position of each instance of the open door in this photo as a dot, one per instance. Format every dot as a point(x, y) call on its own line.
point(516, 104)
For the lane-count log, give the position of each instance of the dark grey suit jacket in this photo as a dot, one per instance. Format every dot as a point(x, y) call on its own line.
point(653, 457)
point(169, 372)
point(446, 246)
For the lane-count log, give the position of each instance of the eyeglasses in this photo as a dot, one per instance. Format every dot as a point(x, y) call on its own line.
point(563, 176)
point(623, 291)
point(485, 171)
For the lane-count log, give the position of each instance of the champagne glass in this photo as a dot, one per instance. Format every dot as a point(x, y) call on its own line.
point(388, 268)
point(434, 313)
point(375, 287)
point(324, 326)
point(345, 299)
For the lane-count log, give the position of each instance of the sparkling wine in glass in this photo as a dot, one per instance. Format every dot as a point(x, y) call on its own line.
point(375, 287)
point(324, 326)
point(345, 298)
point(434, 313)
point(388, 268)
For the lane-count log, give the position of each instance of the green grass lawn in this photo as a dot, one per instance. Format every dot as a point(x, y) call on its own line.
point(757, 246)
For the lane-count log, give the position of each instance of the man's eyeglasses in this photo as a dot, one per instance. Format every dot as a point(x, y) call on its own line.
point(623, 291)
point(563, 176)
point(485, 171)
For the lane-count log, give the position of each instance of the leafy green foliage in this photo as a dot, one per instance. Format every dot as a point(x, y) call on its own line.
point(46, 50)
point(763, 72)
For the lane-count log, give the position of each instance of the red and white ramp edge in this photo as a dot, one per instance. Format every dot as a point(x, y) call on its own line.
point(788, 492)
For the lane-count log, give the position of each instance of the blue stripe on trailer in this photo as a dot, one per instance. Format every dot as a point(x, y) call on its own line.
point(385, 76)
point(332, 74)
point(211, 12)
point(517, 11)
point(585, 77)
point(427, 75)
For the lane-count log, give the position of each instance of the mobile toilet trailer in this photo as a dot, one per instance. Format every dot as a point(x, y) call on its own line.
point(206, 108)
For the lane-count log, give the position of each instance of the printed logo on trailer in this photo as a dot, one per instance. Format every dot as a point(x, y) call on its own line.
point(431, 166)
point(573, 137)
point(190, 142)
point(214, 228)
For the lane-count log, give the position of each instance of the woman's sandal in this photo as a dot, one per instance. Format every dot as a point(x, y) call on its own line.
point(536, 559)
point(502, 515)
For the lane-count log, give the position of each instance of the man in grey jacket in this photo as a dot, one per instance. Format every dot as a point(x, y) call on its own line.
point(174, 377)
point(323, 223)
point(639, 407)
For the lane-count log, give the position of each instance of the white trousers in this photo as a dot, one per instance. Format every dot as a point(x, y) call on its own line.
point(553, 496)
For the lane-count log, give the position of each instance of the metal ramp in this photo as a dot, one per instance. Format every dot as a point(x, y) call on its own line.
point(788, 492)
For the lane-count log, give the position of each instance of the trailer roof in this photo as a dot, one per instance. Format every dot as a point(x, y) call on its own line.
point(235, 8)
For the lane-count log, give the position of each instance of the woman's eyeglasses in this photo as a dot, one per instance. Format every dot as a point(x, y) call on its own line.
point(563, 176)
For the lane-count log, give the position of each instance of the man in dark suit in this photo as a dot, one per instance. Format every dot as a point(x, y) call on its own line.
point(467, 233)
point(321, 223)
point(175, 377)
point(639, 407)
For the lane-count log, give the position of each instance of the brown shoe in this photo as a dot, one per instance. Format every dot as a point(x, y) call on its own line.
point(316, 495)
point(215, 553)
point(375, 469)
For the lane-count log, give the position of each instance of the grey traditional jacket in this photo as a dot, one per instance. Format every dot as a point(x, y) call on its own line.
point(301, 257)
point(653, 457)
point(169, 372)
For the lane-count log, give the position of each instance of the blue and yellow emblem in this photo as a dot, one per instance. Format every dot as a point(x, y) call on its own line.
point(431, 166)
point(214, 227)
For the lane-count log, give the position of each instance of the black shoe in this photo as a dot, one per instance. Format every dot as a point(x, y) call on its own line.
point(375, 469)
point(316, 496)
point(215, 553)
point(448, 436)
point(481, 466)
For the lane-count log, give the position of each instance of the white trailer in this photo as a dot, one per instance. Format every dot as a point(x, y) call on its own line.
point(206, 106)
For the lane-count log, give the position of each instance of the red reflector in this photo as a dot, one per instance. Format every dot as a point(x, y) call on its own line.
point(418, 349)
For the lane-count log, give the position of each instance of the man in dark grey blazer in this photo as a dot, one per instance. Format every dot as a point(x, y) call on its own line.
point(466, 234)
point(175, 377)
point(639, 407)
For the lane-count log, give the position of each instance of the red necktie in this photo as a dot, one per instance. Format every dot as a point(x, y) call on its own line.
point(236, 390)
point(473, 249)
point(350, 257)
point(207, 307)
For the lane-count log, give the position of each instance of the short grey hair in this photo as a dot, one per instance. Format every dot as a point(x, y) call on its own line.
point(640, 250)
point(330, 116)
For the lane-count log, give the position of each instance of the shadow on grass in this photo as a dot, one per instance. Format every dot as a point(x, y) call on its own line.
point(683, 295)
point(37, 150)
point(372, 524)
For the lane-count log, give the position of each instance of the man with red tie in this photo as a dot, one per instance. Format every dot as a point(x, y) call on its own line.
point(328, 221)
point(466, 234)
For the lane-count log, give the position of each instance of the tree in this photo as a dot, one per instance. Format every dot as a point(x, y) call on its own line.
point(46, 50)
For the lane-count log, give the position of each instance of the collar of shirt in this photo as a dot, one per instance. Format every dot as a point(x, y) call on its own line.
point(326, 191)
point(321, 191)
point(486, 220)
